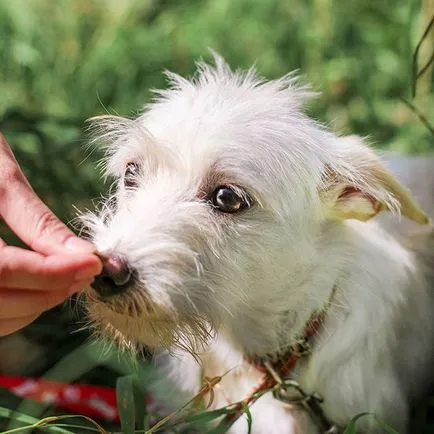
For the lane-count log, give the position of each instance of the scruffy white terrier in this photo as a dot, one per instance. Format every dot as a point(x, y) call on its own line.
point(237, 220)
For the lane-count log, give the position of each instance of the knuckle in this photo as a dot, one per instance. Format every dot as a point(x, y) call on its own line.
point(46, 224)
point(10, 174)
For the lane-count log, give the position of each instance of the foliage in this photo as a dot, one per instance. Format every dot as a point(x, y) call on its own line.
point(65, 61)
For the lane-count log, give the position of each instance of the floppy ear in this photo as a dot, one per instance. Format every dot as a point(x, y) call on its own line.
point(358, 186)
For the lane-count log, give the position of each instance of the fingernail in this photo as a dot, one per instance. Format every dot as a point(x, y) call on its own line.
point(79, 245)
point(78, 286)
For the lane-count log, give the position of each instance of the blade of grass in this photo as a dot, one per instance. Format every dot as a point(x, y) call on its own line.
point(208, 416)
point(351, 427)
point(25, 419)
point(248, 416)
point(126, 404)
point(50, 419)
point(419, 114)
point(206, 388)
point(142, 417)
point(416, 54)
point(81, 427)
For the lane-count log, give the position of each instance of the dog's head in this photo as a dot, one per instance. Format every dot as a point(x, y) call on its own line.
point(223, 187)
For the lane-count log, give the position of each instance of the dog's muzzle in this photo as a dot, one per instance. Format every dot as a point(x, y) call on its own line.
point(116, 277)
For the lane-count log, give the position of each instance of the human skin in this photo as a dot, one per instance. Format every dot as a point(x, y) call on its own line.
point(57, 263)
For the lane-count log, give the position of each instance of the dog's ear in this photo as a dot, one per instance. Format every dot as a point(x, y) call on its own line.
point(358, 186)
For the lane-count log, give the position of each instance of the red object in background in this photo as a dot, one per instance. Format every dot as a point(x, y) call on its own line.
point(92, 401)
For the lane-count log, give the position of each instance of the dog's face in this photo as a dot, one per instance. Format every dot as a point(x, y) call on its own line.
point(223, 187)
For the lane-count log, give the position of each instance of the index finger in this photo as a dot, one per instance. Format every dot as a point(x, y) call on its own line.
point(20, 268)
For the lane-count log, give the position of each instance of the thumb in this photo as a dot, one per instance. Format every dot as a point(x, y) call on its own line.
point(39, 228)
point(28, 216)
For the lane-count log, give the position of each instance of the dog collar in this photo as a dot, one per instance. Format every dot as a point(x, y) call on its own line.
point(276, 371)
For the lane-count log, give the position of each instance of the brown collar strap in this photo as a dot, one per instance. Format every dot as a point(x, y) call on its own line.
point(285, 364)
point(277, 371)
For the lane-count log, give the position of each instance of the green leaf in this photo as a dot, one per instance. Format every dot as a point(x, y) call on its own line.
point(208, 416)
point(204, 418)
point(351, 427)
point(246, 409)
point(131, 399)
point(142, 422)
point(30, 423)
point(125, 401)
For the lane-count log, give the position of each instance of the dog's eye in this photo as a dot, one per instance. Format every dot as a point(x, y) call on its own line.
point(226, 199)
point(130, 176)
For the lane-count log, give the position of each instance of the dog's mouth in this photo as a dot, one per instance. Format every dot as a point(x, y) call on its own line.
point(122, 308)
point(133, 323)
point(118, 305)
point(135, 304)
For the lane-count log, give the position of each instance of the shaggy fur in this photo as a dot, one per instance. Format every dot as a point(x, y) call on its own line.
point(214, 288)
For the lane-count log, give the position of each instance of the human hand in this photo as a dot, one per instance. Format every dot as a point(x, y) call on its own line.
point(59, 264)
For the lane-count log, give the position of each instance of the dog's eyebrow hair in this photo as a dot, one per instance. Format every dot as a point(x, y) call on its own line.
point(215, 177)
point(211, 180)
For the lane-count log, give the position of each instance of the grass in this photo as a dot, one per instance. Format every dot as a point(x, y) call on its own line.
point(131, 378)
point(135, 420)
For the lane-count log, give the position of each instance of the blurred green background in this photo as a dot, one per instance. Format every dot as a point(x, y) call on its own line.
point(63, 61)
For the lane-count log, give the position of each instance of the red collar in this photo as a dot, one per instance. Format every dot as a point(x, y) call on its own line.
point(278, 369)
point(285, 364)
point(276, 373)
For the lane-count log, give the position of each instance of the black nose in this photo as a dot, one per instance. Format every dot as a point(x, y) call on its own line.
point(116, 277)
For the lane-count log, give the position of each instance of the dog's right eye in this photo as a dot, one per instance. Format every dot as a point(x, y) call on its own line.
point(130, 176)
point(229, 200)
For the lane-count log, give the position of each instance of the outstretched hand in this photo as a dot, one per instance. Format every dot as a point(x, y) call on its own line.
point(59, 264)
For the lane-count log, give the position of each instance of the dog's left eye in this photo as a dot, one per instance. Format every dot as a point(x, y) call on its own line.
point(226, 199)
point(130, 176)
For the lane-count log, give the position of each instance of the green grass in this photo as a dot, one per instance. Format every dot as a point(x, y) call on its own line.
point(132, 377)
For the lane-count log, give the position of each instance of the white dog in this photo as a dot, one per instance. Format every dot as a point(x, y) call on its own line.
point(237, 221)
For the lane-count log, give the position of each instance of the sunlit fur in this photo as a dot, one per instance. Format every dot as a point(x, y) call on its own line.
point(216, 287)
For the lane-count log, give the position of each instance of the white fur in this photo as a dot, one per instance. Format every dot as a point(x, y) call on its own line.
point(250, 281)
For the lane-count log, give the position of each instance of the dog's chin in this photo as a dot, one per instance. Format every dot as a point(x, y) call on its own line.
point(131, 332)
point(156, 329)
